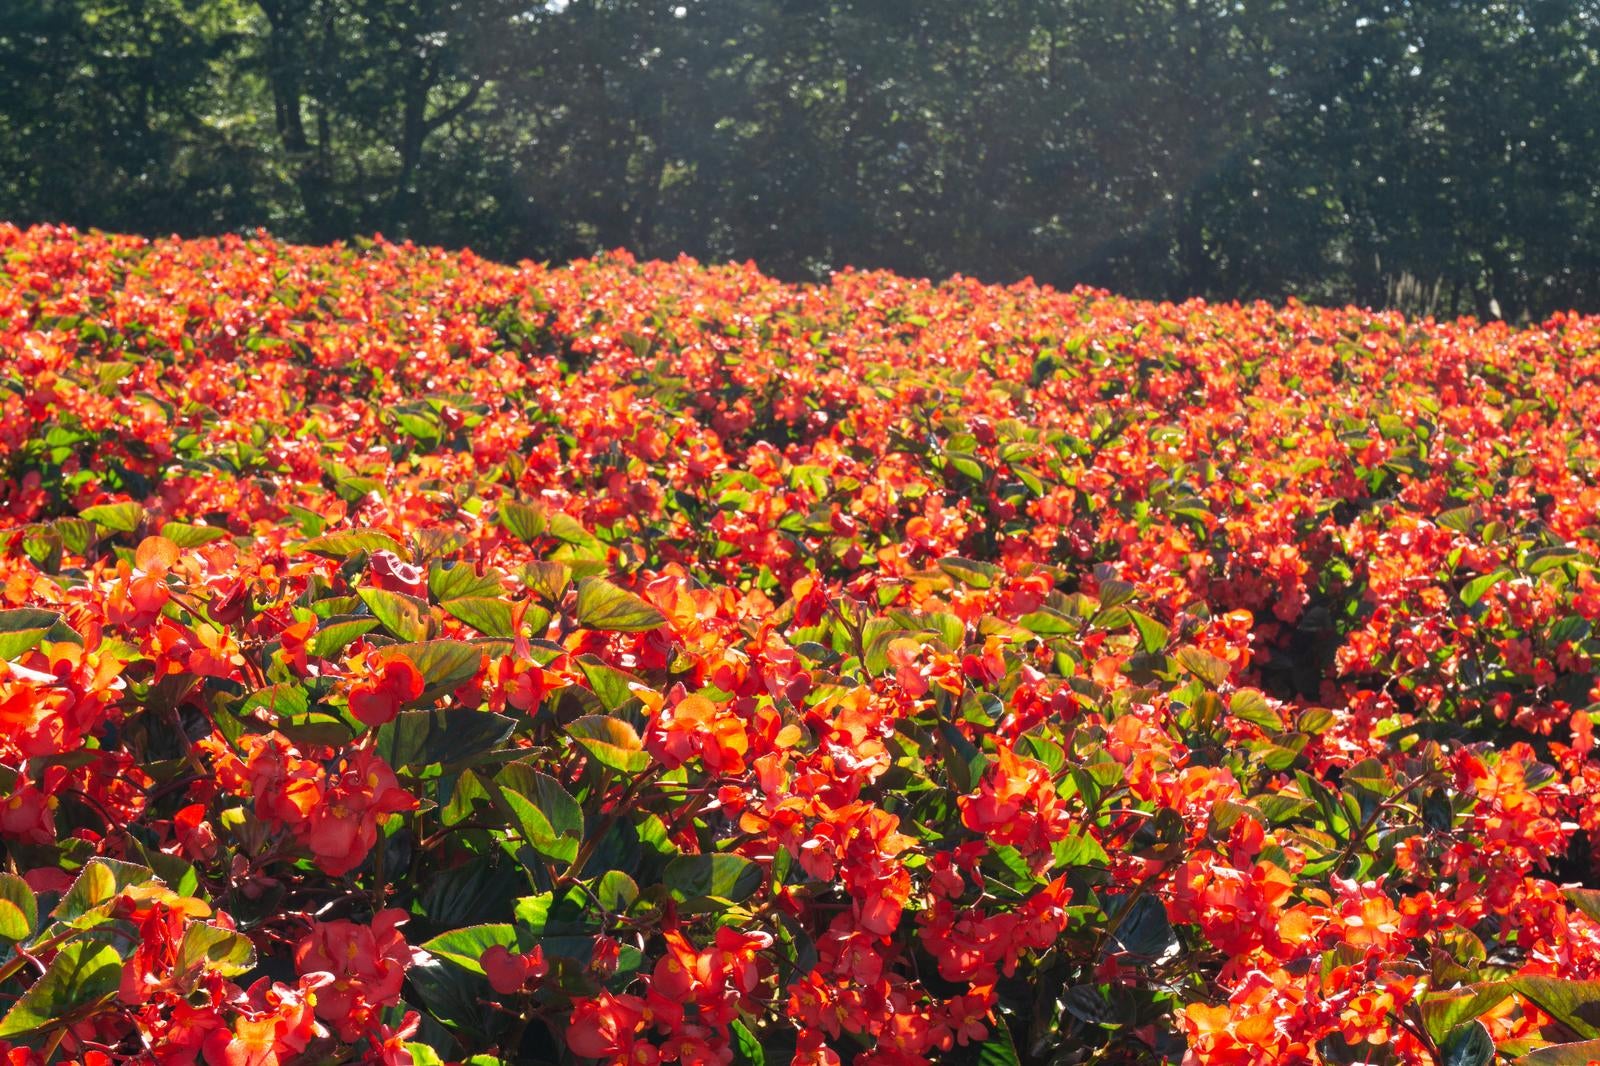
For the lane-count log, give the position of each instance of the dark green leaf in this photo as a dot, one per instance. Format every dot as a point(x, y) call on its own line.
point(458, 998)
point(446, 735)
point(1468, 1045)
point(725, 877)
point(1144, 931)
point(1584, 1053)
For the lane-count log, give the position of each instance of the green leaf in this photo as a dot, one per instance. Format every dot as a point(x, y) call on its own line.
point(1249, 705)
point(83, 974)
point(459, 999)
point(1047, 623)
point(1115, 592)
point(1575, 1004)
point(1473, 590)
point(468, 795)
point(422, 428)
point(285, 699)
point(533, 913)
point(602, 605)
point(964, 761)
point(1202, 664)
point(121, 517)
point(723, 877)
point(1468, 1045)
point(98, 883)
point(444, 664)
point(1315, 720)
point(550, 820)
point(571, 532)
point(616, 891)
point(999, 1049)
point(746, 1048)
point(878, 634)
point(489, 616)
point(970, 572)
point(1145, 931)
point(967, 464)
point(445, 735)
point(1444, 1012)
point(354, 489)
point(611, 741)
point(1152, 634)
point(1580, 1054)
point(185, 535)
point(405, 616)
point(1586, 900)
point(950, 629)
point(344, 545)
point(470, 892)
point(459, 581)
point(465, 947)
point(524, 521)
point(22, 629)
point(19, 911)
point(1079, 849)
point(547, 580)
point(333, 637)
point(1544, 559)
point(218, 950)
point(607, 682)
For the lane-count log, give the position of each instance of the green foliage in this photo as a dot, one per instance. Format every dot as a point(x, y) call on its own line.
point(1163, 149)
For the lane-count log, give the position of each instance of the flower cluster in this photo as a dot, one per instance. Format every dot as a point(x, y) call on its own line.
point(410, 659)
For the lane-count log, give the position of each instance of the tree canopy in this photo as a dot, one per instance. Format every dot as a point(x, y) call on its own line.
point(1441, 155)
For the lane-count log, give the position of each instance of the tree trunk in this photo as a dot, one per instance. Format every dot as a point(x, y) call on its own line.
point(308, 165)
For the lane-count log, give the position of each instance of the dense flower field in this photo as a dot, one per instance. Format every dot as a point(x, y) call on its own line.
point(406, 658)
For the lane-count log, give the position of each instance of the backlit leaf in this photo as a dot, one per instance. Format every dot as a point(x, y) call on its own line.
point(602, 605)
